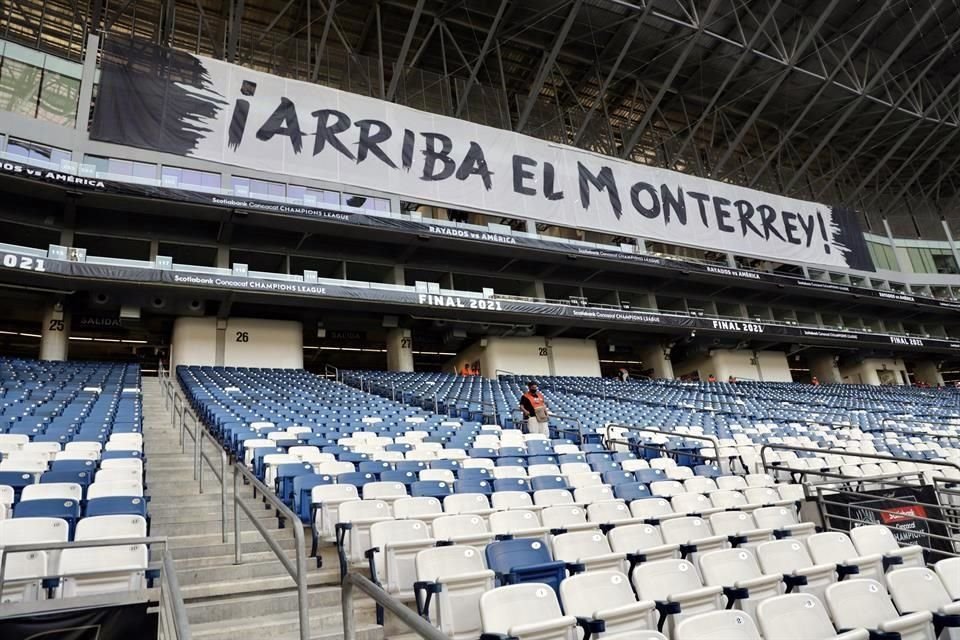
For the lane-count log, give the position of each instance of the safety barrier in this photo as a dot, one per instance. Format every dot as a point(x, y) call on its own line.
point(610, 440)
point(383, 599)
point(297, 570)
point(173, 623)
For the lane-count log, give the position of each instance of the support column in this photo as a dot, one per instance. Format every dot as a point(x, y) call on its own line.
point(927, 371)
point(55, 333)
point(825, 369)
point(399, 350)
point(655, 357)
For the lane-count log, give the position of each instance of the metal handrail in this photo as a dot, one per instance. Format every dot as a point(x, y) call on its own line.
point(221, 477)
point(356, 581)
point(336, 372)
point(199, 434)
point(172, 603)
point(297, 572)
point(78, 544)
point(714, 442)
point(842, 452)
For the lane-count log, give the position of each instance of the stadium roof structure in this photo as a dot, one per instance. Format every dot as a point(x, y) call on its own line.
point(843, 101)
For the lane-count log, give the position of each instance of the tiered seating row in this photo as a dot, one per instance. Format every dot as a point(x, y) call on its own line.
point(72, 469)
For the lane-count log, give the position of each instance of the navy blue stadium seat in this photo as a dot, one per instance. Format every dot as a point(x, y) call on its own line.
point(631, 491)
point(68, 510)
point(431, 489)
point(524, 560)
point(474, 486)
point(540, 483)
point(511, 484)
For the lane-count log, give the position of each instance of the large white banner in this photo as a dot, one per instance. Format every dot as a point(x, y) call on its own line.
point(229, 114)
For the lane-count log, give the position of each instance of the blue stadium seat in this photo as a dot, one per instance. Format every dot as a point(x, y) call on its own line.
point(116, 506)
point(524, 560)
point(631, 491)
point(511, 484)
point(431, 489)
point(474, 486)
point(540, 483)
point(68, 510)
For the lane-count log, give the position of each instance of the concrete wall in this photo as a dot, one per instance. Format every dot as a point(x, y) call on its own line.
point(825, 369)
point(744, 365)
point(237, 342)
point(194, 341)
point(533, 356)
point(573, 357)
point(654, 357)
point(774, 366)
point(250, 342)
point(927, 371)
point(866, 372)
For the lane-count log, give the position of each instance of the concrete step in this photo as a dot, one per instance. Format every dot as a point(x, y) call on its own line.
point(258, 584)
point(198, 528)
point(261, 603)
point(286, 626)
point(267, 567)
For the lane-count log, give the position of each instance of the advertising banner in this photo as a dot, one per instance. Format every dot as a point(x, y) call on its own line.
point(175, 102)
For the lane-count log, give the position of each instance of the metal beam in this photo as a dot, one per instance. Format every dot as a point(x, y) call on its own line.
point(777, 83)
point(217, 51)
point(901, 139)
point(855, 103)
point(947, 46)
point(273, 23)
point(815, 99)
point(547, 65)
point(613, 71)
point(484, 48)
point(234, 27)
point(930, 157)
point(116, 16)
point(323, 40)
point(677, 65)
point(404, 50)
point(744, 55)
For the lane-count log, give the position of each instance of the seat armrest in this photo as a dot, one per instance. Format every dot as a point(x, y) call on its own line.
point(793, 581)
point(532, 628)
point(410, 544)
point(628, 610)
point(465, 578)
point(590, 626)
point(907, 622)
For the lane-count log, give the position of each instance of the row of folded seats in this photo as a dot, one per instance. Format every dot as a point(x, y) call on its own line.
point(56, 493)
point(545, 587)
point(84, 571)
point(553, 509)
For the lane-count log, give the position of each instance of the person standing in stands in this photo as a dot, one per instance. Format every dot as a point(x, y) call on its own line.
point(815, 381)
point(623, 375)
point(534, 408)
point(711, 378)
point(465, 369)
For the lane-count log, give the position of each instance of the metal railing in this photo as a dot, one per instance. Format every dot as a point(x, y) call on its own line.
point(328, 368)
point(926, 500)
point(221, 476)
point(771, 466)
point(201, 436)
point(414, 622)
point(298, 569)
point(610, 440)
point(173, 621)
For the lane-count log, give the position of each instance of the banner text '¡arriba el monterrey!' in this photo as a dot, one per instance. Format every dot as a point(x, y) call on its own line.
point(442, 161)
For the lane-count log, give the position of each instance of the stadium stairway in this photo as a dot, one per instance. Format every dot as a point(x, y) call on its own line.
point(226, 601)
